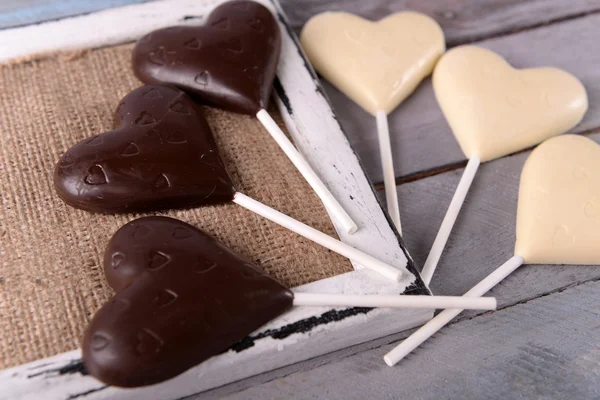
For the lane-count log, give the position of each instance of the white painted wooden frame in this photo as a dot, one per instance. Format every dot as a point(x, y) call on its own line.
point(301, 333)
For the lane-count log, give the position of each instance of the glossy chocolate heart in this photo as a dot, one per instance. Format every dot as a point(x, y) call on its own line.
point(494, 109)
point(229, 62)
point(182, 297)
point(377, 64)
point(162, 155)
point(558, 217)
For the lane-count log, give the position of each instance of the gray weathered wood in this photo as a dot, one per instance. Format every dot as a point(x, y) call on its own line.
point(484, 234)
point(482, 239)
point(548, 348)
point(462, 20)
point(421, 138)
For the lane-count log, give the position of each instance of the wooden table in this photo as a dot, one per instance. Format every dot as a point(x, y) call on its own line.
point(544, 341)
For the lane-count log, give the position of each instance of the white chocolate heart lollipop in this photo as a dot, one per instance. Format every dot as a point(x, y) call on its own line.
point(495, 110)
point(376, 64)
point(558, 220)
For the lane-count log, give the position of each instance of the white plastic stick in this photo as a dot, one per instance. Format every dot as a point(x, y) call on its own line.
point(316, 236)
point(394, 301)
point(387, 165)
point(307, 172)
point(440, 320)
point(455, 205)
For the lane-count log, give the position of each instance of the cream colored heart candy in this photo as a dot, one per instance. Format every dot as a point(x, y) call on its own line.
point(558, 221)
point(558, 216)
point(495, 110)
point(376, 64)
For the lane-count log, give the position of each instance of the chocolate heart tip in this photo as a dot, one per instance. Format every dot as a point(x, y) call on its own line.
point(182, 297)
point(161, 156)
point(229, 62)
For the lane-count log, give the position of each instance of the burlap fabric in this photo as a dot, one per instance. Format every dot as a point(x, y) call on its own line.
point(51, 277)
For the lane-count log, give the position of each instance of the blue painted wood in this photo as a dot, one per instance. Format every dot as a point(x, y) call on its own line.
point(24, 12)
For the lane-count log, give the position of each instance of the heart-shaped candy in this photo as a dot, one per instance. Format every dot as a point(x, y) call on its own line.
point(558, 217)
point(376, 64)
point(229, 62)
point(182, 297)
point(495, 110)
point(162, 155)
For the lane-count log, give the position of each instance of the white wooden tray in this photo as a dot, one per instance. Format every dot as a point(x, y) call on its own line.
point(301, 333)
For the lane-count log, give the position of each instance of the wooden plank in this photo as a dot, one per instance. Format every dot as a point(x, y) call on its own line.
point(462, 20)
point(421, 138)
point(548, 348)
point(483, 238)
point(24, 12)
point(484, 234)
point(127, 24)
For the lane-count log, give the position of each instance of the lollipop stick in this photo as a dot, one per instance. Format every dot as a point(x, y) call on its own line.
point(438, 322)
point(387, 164)
point(307, 172)
point(455, 205)
point(318, 237)
point(393, 301)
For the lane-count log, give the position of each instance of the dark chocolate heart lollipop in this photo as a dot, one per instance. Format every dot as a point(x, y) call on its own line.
point(182, 297)
point(229, 62)
point(162, 155)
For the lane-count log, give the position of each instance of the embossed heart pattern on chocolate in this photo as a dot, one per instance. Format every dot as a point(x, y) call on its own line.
point(182, 297)
point(229, 62)
point(162, 155)
point(376, 64)
point(558, 216)
point(495, 109)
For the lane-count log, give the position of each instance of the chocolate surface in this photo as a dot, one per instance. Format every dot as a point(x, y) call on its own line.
point(162, 155)
point(182, 297)
point(229, 62)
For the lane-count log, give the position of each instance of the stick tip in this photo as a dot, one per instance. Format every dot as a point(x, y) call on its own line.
point(495, 303)
point(352, 228)
point(388, 360)
point(397, 276)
